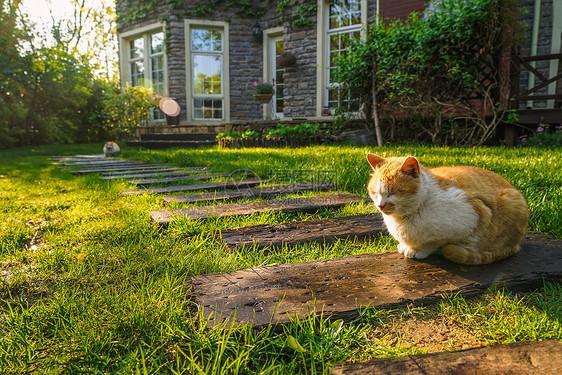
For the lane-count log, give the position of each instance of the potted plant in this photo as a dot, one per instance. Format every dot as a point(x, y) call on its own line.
point(264, 91)
point(286, 59)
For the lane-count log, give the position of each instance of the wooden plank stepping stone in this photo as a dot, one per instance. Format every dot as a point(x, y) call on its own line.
point(171, 180)
point(259, 192)
point(157, 174)
point(297, 232)
point(233, 184)
point(77, 157)
point(92, 161)
point(118, 168)
point(541, 357)
point(151, 169)
point(103, 165)
point(311, 204)
point(338, 287)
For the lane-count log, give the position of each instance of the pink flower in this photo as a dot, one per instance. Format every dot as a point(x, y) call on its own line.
point(255, 83)
point(540, 129)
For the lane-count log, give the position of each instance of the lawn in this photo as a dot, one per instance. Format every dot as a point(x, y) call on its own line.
point(89, 284)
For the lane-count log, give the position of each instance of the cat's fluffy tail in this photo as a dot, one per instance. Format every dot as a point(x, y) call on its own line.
point(463, 255)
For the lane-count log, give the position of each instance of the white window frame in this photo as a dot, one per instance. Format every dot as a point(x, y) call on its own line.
point(225, 88)
point(268, 56)
point(125, 59)
point(323, 48)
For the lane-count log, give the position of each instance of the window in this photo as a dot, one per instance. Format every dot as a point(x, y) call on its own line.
point(146, 64)
point(206, 46)
point(207, 77)
point(279, 81)
point(343, 24)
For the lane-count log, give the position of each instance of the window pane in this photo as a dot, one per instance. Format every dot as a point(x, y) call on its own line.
point(136, 48)
point(345, 13)
point(207, 74)
point(207, 108)
point(137, 73)
point(157, 43)
point(206, 40)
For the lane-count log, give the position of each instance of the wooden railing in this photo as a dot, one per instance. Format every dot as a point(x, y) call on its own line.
point(524, 63)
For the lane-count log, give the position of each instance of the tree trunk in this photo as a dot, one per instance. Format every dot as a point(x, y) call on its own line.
point(378, 131)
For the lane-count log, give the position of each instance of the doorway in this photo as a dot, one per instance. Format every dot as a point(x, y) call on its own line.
point(275, 47)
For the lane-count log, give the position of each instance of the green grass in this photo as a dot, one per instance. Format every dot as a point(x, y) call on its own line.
point(88, 284)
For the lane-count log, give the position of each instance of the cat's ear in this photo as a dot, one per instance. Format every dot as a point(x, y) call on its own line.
point(374, 160)
point(411, 167)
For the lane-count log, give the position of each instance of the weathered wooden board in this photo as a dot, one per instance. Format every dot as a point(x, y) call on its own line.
point(78, 157)
point(259, 192)
point(151, 169)
point(530, 358)
point(297, 232)
point(95, 162)
point(164, 181)
point(338, 287)
point(151, 174)
point(311, 204)
point(233, 184)
point(104, 165)
point(117, 168)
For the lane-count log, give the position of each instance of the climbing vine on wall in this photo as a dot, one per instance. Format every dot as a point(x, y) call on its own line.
point(295, 12)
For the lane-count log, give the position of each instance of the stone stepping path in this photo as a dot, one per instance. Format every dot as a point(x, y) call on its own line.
point(259, 192)
point(339, 286)
point(156, 174)
point(171, 180)
point(359, 227)
point(541, 357)
point(312, 204)
point(233, 184)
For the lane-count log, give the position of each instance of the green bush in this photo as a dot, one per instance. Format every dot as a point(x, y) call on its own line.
point(433, 66)
point(545, 136)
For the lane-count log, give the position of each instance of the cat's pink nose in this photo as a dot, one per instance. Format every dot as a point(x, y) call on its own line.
point(381, 206)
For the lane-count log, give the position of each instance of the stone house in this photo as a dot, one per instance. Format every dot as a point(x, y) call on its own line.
point(207, 54)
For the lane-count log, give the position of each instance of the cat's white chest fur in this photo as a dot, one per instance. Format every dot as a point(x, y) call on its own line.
point(435, 217)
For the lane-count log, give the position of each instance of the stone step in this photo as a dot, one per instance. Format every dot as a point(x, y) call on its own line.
point(338, 287)
point(326, 231)
point(312, 204)
point(170, 180)
point(540, 357)
point(259, 192)
point(163, 174)
point(233, 184)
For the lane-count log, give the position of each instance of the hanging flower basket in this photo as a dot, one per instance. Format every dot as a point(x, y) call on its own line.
point(263, 98)
point(286, 60)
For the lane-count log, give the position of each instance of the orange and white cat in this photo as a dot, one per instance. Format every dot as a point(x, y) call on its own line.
point(470, 215)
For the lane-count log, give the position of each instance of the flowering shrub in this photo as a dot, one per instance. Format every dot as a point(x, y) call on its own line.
point(264, 87)
point(545, 136)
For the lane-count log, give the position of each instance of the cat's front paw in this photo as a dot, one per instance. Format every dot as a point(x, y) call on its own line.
point(402, 249)
point(415, 253)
